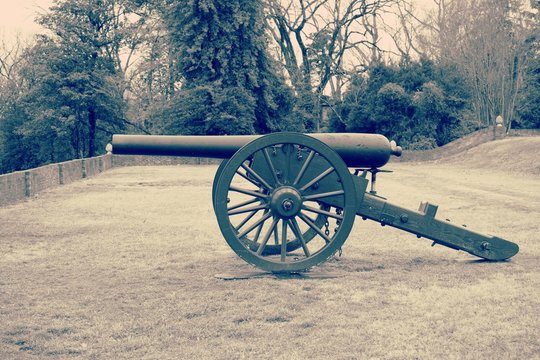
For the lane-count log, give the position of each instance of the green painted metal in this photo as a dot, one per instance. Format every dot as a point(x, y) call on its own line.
point(286, 201)
point(356, 150)
point(285, 197)
point(423, 224)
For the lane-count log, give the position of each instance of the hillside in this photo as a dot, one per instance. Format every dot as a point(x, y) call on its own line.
point(518, 154)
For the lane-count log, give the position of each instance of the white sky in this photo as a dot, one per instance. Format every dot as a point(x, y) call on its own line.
point(17, 16)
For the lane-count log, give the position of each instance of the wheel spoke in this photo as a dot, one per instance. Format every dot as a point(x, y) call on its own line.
point(322, 212)
point(259, 229)
point(315, 227)
point(286, 148)
point(271, 166)
point(283, 240)
point(254, 225)
point(323, 195)
point(248, 178)
point(256, 176)
point(239, 226)
point(296, 229)
point(267, 236)
point(248, 192)
point(276, 236)
point(304, 167)
point(245, 210)
point(317, 178)
point(249, 202)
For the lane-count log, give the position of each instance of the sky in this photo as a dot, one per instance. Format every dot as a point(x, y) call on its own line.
point(17, 16)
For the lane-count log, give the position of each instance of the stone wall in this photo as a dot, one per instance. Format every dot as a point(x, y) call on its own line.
point(20, 185)
point(12, 187)
point(145, 160)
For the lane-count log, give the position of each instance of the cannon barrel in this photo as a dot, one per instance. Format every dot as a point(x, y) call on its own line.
point(356, 150)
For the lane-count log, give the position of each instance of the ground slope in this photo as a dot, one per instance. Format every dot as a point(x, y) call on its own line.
point(520, 154)
point(122, 266)
point(514, 155)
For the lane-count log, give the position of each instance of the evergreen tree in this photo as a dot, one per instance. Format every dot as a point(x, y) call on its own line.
point(70, 98)
point(222, 56)
point(529, 101)
point(84, 69)
point(420, 105)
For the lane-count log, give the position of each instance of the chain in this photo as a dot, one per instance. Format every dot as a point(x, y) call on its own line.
point(299, 153)
point(326, 230)
point(338, 221)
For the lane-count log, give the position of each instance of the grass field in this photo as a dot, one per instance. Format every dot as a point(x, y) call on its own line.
point(122, 266)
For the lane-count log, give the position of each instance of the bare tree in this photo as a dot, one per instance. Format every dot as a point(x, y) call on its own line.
point(493, 50)
point(10, 59)
point(485, 39)
point(316, 38)
point(154, 79)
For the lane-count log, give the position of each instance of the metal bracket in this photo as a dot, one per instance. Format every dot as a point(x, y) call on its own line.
point(373, 182)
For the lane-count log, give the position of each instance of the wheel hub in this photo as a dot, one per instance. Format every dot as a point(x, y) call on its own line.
point(286, 202)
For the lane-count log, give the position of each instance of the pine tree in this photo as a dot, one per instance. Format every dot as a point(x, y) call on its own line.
point(222, 56)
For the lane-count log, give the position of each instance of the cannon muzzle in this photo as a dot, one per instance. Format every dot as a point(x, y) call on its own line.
point(356, 150)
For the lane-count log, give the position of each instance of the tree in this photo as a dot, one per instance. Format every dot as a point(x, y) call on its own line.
point(487, 40)
point(528, 102)
point(419, 104)
point(155, 78)
point(10, 86)
point(316, 37)
point(222, 51)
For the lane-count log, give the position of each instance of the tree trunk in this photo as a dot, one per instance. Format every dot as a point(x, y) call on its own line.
point(92, 120)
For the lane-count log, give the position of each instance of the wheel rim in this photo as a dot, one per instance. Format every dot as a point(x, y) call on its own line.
point(219, 170)
point(271, 190)
point(272, 249)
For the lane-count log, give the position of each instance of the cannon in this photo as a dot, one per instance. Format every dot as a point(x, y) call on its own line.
point(286, 202)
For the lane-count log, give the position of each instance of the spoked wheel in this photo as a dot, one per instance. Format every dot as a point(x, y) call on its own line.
point(272, 249)
point(273, 191)
point(219, 170)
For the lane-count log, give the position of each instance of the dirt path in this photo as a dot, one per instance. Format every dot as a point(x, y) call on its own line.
point(123, 265)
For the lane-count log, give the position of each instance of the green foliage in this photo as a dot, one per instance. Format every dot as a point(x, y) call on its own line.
point(213, 110)
point(528, 109)
point(70, 97)
point(209, 110)
point(419, 105)
point(222, 45)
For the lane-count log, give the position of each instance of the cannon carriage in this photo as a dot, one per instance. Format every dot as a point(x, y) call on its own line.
point(286, 202)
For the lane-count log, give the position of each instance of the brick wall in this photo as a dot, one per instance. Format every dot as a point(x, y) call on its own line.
point(71, 171)
point(42, 178)
point(12, 187)
point(20, 185)
point(144, 160)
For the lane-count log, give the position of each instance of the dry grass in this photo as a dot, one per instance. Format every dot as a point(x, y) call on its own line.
point(513, 154)
point(123, 265)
